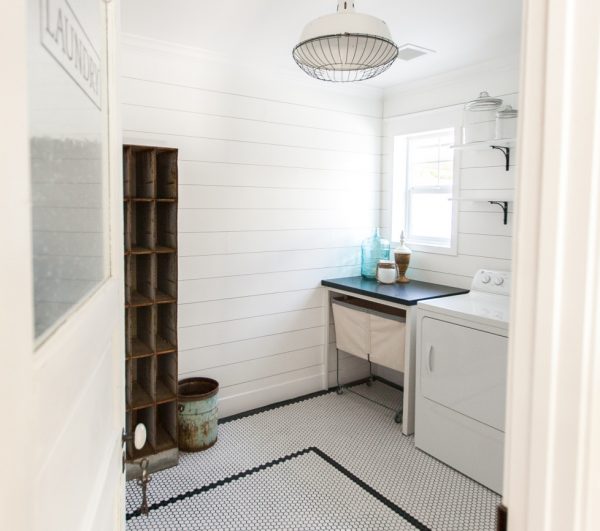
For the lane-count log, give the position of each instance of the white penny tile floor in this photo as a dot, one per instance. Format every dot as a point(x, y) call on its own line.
point(329, 462)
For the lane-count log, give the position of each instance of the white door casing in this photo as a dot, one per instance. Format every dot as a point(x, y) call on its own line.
point(16, 312)
point(552, 455)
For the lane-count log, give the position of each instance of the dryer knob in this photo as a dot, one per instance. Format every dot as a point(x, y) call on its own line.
point(486, 279)
point(498, 281)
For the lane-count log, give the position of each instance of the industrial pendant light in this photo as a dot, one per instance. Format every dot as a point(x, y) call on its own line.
point(346, 46)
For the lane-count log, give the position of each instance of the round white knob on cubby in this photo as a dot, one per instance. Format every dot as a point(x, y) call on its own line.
point(485, 278)
point(498, 281)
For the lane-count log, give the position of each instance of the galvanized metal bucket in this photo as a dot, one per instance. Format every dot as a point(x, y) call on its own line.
point(197, 412)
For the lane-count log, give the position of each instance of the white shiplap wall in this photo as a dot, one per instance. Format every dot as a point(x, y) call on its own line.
point(483, 240)
point(279, 183)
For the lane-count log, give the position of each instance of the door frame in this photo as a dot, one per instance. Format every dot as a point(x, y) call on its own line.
point(16, 278)
point(552, 454)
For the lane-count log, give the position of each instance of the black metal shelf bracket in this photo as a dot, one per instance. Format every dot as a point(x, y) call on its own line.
point(504, 206)
point(506, 151)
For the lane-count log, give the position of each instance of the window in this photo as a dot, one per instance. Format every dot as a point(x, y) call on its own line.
point(68, 154)
point(424, 185)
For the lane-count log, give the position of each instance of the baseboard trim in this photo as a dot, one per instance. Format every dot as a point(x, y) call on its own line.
point(287, 402)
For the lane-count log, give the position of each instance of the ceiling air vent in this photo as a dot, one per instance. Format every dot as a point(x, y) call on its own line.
point(408, 52)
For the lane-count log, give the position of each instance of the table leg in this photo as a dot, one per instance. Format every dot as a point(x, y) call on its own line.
point(410, 361)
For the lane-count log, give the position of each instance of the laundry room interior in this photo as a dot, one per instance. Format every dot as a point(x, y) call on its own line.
point(266, 264)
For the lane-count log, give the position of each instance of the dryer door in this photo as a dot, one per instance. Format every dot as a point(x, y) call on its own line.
point(464, 369)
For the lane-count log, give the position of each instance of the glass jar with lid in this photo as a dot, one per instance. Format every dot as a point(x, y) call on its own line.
point(479, 120)
point(506, 123)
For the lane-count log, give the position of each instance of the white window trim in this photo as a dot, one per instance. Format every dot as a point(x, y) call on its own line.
point(414, 124)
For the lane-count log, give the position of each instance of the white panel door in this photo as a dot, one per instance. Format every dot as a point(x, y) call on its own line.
point(465, 370)
point(75, 184)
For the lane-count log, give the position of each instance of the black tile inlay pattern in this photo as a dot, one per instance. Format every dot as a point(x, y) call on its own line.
point(356, 472)
point(398, 510)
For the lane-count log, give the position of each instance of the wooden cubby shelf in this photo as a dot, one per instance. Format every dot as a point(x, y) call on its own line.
point(140, 331)
point(166, 278)
point(150, 178)
point(166, 425)
point(166, 328)
point(139, 273)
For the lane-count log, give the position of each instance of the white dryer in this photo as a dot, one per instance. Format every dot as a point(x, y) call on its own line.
point(461, 378)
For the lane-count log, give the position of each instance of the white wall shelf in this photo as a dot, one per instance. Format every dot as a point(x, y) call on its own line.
point(501, 144)
point(493, 197)
point(486, 195)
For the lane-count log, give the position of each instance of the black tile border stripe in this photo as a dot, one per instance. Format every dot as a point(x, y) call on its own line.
point(312, 449)
point(220, 483)
point(376, 494)
point(302, 398)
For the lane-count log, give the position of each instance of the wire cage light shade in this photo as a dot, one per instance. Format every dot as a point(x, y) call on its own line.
point(346, 46)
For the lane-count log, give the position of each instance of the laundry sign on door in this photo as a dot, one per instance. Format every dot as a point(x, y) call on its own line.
point(67, 41)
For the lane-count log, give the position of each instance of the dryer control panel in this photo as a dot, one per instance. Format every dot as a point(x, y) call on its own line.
point(488, 281)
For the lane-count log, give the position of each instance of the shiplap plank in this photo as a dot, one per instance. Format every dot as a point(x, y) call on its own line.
point(199, 359)
point(166, 121)
point(462, 265)
point(248, 371)
point(484, 245)
point(491, 223)
point(192, 220)
point(440, 278)
point(256, 176)
point(233, 151)
point(199, 313)
point(245, 285)
point(249, 241)
point(236, 399)
point(264, 391)
point(224, 265)
point(216, 333)
point(218, 103)
point(492, 178)
point(198, 197)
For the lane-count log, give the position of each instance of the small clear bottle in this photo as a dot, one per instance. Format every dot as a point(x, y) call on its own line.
point(373, 249)
point(506, 123)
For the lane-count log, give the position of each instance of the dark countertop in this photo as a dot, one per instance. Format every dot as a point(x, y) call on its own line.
point(408, 294)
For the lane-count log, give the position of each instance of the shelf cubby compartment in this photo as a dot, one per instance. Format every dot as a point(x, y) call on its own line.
point(166, 328)
point(166, 174)
point(141, 376)
point(140, 331)
point(129, 429)
point(128, 172)
point(142, 180)
point(142, 219)
point(146, 416)
point(166, 426)
point(127, 225)
point(139, 276)
point(166, 278)
point(166, 377)
point(166, 227)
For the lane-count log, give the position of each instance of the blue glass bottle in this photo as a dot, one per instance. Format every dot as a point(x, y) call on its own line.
point(373, 249)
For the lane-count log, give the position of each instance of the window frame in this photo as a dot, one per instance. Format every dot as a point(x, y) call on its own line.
point(415, 125)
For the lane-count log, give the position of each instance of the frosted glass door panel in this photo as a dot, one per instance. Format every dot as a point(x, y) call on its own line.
point(68, 154)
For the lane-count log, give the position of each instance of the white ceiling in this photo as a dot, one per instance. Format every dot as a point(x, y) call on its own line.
point(463, 32)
